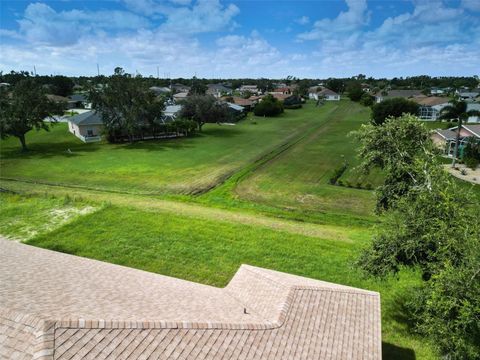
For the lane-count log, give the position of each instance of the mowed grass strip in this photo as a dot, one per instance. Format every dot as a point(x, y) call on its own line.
point(299, 178)
point(183, 165)
point(210, 252)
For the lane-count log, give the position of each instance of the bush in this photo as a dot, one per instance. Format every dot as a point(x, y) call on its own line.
point(337, 173)
point(395, 107)
point(472, 163)
point(269, 106)
point(292, 102)
point(367, 100)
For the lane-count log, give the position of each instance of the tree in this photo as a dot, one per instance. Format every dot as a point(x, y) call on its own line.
point(394, 147)
point(393, 108)
point(336, 85)
point(354, 90)
point(471, 153)
point(204, 109)
point(431, 225)
point(198, 87)
point(24, 109)
point(269, 106)
point(367, 99)
point(127, 106)
point(457, 110)
point(61, 85)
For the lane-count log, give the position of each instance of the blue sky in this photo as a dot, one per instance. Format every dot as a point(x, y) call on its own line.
point(217, 38)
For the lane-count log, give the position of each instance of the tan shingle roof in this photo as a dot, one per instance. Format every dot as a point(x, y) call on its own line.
point(65, 307)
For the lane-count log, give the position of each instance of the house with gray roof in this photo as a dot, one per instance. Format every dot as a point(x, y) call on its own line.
point(218, 90)
point(390, 94)
point(322, 93)
point(55, 306)
point(87, 126)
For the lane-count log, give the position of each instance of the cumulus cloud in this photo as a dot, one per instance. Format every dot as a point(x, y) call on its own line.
point(42, 24)
point(353, 19)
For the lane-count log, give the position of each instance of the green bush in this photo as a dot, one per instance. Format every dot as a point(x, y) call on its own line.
point(395, 107)
point(269, 106)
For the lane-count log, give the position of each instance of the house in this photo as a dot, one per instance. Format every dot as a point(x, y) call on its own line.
point(390, 94)
point(247, 104)
point(65, 101)
point(430, 106)
point(438, 91)
point(160, 90)
point(445, 139)
point(287, 90)
point(250, 88)
point(475, 107)
point(180, 96)
point(322, 93)
point(467, 95)
point(237, 112)
point(179, 88)
point(61, 306)
point(218, 90)
point(171, 112)
point(79, 101)
point(87, 126)
point(4, 84)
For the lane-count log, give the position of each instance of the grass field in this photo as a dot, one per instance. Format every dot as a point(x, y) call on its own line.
point(299, 178)
point(169, 166)
point(269, 203)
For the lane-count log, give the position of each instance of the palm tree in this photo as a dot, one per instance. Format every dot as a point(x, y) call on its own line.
point(457, 111)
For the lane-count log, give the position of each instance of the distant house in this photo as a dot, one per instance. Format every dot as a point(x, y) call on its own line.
point(65, 101)
point(180, 96)
point(476, 107)
point(445, 139)
point(160, 90)
point(438, 91)
point(467, 95)
point(237, 112)
point(247, 104)
point(218, 90)
point(430, 106)
point(179, 88)
point(171, 112)
point(287, 90)
point(4, 84)
point(79, 101)
point(250, 88)
point(406, 94)
point(322, 93)
point(87, 126)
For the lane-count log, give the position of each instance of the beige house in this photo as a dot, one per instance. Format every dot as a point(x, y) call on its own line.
point(57, 306)
point(87, 126)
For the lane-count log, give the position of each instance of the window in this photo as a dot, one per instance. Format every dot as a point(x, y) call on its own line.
point(89, 132)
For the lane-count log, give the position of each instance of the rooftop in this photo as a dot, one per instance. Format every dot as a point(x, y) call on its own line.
point(91, 117)
point(59, 306)
point(431, 100)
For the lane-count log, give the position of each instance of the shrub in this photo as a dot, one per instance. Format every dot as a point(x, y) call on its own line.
point(472, 163)
point(269, 106)
point(395, 107)
point(337, 173)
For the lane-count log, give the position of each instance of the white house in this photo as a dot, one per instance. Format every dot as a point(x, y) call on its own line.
point(322, 93)
point(87, 126)
point(171, 112)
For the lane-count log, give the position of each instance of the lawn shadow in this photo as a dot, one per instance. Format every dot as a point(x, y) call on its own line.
point(394, 352)
point(48, 150)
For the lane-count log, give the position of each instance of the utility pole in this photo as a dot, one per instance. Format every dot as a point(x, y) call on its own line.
point(158, 72)
point(34, 70)
point(98, 70)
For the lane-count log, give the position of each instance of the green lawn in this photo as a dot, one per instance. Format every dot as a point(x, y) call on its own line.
point(299, 177)
point(167, 166)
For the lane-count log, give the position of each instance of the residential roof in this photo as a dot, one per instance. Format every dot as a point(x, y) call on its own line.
point(280, 97)
point(241, 101)
point(400, 93)
point(181, 95)
point(91, 117)
point(235, 106)
point(473, 106)
point(172, 109)
point(326, 91)
point(431, 100)
point(59, 306)
point(57, 98)
point(447, 134)
point(474, 129)
point(78, 97)
point(159, 89)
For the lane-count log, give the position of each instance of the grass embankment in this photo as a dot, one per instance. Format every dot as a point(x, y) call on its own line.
point(211, 250)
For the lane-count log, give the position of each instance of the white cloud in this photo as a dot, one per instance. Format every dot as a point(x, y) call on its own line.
point(42, 24)
point(304, 20)
point(347, 21)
